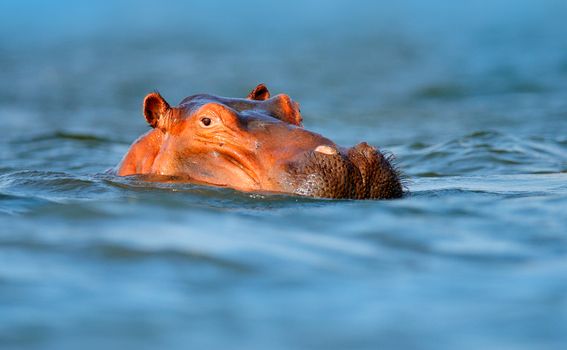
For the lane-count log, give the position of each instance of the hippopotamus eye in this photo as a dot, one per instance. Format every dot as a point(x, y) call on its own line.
point(206, 121)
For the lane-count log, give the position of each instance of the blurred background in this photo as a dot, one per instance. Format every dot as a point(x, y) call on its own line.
point(470, 97)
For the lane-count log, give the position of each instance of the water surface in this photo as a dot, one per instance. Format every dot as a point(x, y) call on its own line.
point(472, 99)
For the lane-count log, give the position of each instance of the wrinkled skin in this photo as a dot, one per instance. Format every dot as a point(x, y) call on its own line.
point(254, 144)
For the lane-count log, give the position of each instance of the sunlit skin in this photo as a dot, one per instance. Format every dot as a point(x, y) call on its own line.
point(253, 144)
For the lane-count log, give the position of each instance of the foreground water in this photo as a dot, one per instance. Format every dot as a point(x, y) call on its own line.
point(474, 257)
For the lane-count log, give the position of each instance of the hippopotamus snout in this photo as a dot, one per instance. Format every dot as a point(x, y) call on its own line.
point(332, 172)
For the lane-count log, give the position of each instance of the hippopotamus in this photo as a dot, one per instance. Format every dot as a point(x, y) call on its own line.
point(253, 144)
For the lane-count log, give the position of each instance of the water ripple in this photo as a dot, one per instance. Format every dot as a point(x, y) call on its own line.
point(484, 152)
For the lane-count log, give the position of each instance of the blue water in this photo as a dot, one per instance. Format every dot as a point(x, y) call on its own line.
point(472, 100)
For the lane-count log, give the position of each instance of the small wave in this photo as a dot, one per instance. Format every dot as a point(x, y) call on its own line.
point(66, 135)
point(117, 251)
point(48, 185)
point(33, 186)
point(13, 204)
point(484, 152)
point(62, 151)
point(441, 91)
point(209, 196)
point(513, 185)
point(503, 85)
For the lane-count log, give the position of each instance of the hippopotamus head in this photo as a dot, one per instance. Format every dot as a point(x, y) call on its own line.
point(254, 144)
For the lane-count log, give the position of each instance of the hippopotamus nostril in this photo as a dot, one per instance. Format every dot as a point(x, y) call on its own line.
point(326, 150)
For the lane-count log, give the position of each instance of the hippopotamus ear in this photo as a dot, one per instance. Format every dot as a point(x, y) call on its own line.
point(156, 109)
point(285, 109)
point(260, 93)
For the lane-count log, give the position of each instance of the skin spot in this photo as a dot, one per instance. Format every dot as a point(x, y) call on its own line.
point(326, 150)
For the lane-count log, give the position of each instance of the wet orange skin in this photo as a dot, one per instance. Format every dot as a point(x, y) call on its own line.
point(244, 144)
